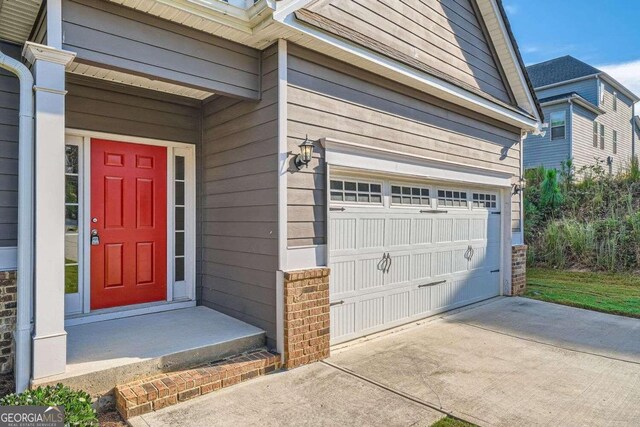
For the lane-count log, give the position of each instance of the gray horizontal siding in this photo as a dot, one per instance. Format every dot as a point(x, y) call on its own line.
point(542, 151)
point(446, 35)
point(239, 204)
point(118, 37)
point(330, 99)
point(620, 121)
point(97, 106)
point(588, 89)
point(9, 106)
point(584, 153)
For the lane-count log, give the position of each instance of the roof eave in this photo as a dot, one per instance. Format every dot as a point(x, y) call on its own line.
point(619, 86)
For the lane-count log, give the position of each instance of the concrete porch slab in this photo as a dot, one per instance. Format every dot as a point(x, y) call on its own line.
point(103, 354)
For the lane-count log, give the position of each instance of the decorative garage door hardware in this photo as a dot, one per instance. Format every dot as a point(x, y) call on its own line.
point(336, 303)
point(433, 211)
point(495, 271)
point(432, 283)
point(385, 263)
point(496, 213)
point(337, 209)
point(469, 253)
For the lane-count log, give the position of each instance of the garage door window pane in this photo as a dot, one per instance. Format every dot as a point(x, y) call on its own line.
point(484, 201)
point(453, 199)
point(406, 195)
point(355, 192)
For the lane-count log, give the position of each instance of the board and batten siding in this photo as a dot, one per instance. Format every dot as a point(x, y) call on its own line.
point(327, 98)
point(9, 107)
point(587, 88)
point(239, 199)
point(443, 34)
point(542, 150)
point(105, 34)
point(103, 107)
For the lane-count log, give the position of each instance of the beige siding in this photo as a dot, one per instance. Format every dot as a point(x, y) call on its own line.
point(103, 107)
point(118, 37)
point(331, 99)
point(239, 202)
point(583, 151)
point(443, 34)
point(619, 121)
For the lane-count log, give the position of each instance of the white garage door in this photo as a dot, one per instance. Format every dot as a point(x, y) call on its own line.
point(403, 251)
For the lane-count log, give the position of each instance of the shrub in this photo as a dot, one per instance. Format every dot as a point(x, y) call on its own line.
point(77, 404)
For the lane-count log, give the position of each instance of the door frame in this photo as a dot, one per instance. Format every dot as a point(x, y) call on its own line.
point(179, 295)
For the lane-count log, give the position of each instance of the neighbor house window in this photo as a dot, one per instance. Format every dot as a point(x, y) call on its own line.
point(615, 101)
point(615, 142)
point(602, 137)
point(406, 195)
point(595, 134)
point(602, 90)
point(356, 191)
point(71, 226)
point(558, 125)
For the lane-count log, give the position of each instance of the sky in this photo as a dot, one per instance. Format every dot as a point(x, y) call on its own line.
point(602, 33)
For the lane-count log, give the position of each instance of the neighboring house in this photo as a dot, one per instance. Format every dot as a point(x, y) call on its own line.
point(166, 176)
point(590, 117)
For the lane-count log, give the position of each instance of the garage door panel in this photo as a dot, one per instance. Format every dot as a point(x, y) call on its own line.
point(430, 270)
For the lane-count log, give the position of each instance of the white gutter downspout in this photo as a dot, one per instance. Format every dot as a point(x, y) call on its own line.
point(22, 335)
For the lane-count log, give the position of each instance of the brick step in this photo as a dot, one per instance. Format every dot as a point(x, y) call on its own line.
point(153, 393)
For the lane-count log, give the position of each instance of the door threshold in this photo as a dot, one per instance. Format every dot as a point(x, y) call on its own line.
point(126, 311)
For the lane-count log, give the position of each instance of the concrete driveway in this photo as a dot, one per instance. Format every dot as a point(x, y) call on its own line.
point(508, 362)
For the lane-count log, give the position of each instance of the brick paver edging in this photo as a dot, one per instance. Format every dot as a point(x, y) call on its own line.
point(151, 394)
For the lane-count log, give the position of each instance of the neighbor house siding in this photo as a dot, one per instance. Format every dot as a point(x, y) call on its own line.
point(331, 99)
point(239, 200)
point(541, 150)
point(121, 38)
point(620, 121)
point(587, 88)
point(446, 35)
point(9, 106)
point(584, 153)
point(103, 107)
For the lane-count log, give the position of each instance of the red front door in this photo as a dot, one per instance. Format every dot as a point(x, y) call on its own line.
point(129, 214)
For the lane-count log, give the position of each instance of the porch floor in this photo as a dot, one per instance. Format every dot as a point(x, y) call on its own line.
point(103, 354)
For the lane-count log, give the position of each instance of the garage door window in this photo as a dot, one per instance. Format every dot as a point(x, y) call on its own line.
point(356, 192)
point(405, 195)
point(452, 198)
point(483, 200)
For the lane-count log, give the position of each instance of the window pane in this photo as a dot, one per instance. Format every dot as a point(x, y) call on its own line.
point(351, 186)
point(376, 198)
point(71, 279)
point(71, 248)
point(179, 273)
point(71, 219)
point(350, 197)
point(335, 196)
point(179, 193)
point(71, 189)
point(71, 161)
point(557, 133)
point(396, 199)
point(179, 167)
point(180, 243)
point(336, 185)
point(363, 198)
point(395, 189)
point(179, 218)
point(363, 186)
point(375, 188)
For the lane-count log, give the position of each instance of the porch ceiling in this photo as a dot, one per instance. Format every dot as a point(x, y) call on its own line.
point(17, 18)
point(135, 80)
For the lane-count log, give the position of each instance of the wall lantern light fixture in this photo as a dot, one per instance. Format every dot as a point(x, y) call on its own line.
point(518, 187)
point(306, 151)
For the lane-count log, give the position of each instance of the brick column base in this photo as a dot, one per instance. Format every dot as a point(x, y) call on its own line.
point(306, 317)
point(518, 270)
point(8, 311)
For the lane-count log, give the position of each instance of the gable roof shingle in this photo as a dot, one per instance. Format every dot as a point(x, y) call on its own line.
point(559, 70)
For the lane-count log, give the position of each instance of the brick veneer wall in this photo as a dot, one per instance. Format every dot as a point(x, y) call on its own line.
point(306, 317)
point(518, 270)
point(8, 290)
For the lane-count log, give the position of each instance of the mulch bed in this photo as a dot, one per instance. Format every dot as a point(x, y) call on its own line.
point(7, 386)
point(111, 419)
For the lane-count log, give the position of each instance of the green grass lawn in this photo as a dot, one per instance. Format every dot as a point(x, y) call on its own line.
point(606, 292)
point(452, 422)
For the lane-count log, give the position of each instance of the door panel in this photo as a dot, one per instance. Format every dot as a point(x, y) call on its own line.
point(438, 261)
point(129, 203)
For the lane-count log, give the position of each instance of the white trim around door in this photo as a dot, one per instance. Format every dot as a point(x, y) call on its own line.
point(180, 290)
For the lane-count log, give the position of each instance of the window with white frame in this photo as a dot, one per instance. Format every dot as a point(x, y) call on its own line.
point(179, 226)
point(558, 125)
point(452, 198)
point(602, 91)
point(615, 101)
point(595, 134)
point(71, 220)
point(352, 191)
point(484, 200)
point(615, 142)
point(409, 195)
point(601, 136)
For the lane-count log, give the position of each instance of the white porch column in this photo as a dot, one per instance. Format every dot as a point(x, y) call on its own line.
point(50, 338)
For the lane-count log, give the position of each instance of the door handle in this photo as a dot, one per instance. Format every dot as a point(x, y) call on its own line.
point(95, 237)
point(389, 264)
point(382, 264)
